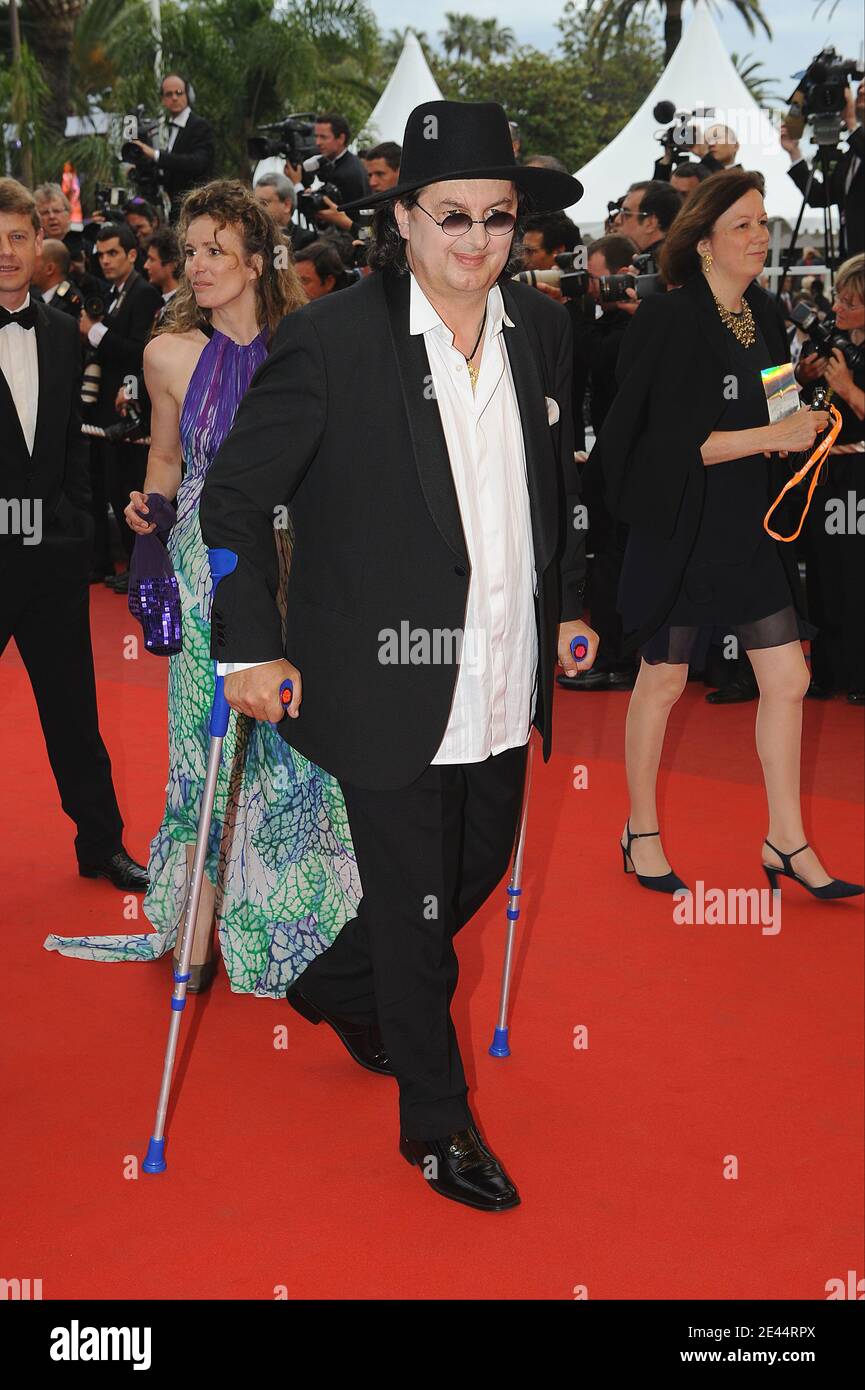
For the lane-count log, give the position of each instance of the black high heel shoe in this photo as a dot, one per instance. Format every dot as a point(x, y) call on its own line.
point(659, 883)
point(836, 889)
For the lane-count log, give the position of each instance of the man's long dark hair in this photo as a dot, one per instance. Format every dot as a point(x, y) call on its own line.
point(386, 245)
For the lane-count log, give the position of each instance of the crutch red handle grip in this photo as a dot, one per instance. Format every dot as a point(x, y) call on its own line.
point(286, 690)
point(579, 648)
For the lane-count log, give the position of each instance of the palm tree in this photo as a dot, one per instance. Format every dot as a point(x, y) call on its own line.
point(50, 33)
point(460, 35)
point(613, 15)
point(758, 83)
point(492, 41)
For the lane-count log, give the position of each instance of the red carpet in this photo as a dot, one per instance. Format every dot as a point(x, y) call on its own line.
point(704, 1042)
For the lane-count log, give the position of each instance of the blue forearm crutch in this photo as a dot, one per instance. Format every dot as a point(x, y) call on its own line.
point(499, 1045)
point(222, 562)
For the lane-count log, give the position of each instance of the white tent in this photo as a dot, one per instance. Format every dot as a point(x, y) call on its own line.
point(410, 83)
point(699, 74)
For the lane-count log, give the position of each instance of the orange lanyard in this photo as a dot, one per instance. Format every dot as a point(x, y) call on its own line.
point(817, 457)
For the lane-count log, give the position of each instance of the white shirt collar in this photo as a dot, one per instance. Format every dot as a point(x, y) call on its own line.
point(423, 316)
point(22, 305)
point(48, 295)
point(181, 118)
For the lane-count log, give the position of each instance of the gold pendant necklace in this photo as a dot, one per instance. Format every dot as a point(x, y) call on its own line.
point(474, 371)
point(741, 325)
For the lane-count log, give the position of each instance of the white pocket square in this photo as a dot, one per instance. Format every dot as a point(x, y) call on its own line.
point(552, 410)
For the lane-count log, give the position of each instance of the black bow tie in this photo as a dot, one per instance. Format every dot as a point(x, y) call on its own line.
point(25, 318)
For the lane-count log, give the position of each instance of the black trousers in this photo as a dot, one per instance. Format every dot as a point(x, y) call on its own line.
point(429, 856)
point(125, 468)
point(607, 540)
point(45, 606)
point(99, 506)
point(835, 578)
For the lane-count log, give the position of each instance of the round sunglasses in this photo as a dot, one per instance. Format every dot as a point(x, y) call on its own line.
point(458, 223)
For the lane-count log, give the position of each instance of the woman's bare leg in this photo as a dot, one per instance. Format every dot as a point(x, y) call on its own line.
point(782, 676)
point(657, 689)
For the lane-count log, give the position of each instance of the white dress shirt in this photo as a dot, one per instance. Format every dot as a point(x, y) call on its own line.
point(175, 124)
point(496, 687)
point(19, 363)
point(494, 698)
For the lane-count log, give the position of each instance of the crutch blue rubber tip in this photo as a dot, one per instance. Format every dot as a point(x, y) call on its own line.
point(579, 648)
point(499, 1045)
point(154, 1161)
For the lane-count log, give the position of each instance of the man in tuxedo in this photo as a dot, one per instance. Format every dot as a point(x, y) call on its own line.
point(44, 558)
point(116, 343)
point(419, 427)
point(190, 150)
point(845, 185)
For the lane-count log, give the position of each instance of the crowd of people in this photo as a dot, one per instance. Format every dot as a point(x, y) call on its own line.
point(234, 357)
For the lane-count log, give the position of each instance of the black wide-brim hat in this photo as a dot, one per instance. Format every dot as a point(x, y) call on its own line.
point(468, 140)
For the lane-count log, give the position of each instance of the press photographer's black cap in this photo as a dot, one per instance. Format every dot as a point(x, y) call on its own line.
point(468, 140)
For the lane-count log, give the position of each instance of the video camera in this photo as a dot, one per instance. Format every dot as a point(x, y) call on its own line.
point(291, 139)
point(144, 175)
point(681, 132)
point(820, 97)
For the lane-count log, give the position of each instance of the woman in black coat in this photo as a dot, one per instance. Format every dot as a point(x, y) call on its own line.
point(684, 451)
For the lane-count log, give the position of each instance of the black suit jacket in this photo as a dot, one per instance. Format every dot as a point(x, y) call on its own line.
point(341, 424)
point(57, 472)
point(348, 174)
point(850, 201)
point(672, 372)
point(120, 351)
point(191, 160)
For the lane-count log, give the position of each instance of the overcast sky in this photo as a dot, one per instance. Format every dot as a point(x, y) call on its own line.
point(797, 35)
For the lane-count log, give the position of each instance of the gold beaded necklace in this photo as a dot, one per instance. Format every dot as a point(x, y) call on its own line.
point(741, 325)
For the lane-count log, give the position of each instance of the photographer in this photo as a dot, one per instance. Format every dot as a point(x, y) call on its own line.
point(834, 546)
point(598, 351)
point(116, 344)
point(646, 214)
point(335, 163)
point(142, 218)
point(321, 271)
point(846, 183)
point(162, 263)
point(687, 177)
point(716, 151)
point(189, 154)
point(51, 278)
point(546, 236)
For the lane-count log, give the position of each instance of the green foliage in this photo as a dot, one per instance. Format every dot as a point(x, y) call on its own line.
point(570, 104)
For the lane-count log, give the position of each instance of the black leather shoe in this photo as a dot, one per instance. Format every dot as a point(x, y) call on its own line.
point(462, 1168)
point(597, 680)
point(734, 693)
point(118, 583)
point(816, 691)
point(856, 697)
point(362, 1041)
point(122, 871)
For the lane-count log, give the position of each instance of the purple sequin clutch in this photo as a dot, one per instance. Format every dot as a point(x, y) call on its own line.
point(154, 598)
